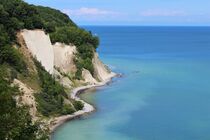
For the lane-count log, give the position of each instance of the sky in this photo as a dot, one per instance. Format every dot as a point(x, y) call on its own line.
point(133, 12)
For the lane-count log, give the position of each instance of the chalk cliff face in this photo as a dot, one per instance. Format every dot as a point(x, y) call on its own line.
point(40, 46)
point(101, 71)
point(88, 77)
point(58, 60)
point(64, 57)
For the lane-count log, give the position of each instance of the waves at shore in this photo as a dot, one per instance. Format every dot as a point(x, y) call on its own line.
point(87, 107)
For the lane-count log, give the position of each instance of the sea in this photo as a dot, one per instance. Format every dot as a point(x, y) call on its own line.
point(164, 91)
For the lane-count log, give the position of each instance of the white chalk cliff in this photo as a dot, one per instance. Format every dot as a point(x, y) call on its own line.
point(88, 77)
point(101, 71)
point(62, 56)
point(40, 46)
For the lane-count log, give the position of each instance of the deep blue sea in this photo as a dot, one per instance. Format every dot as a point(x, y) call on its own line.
point(164, 93)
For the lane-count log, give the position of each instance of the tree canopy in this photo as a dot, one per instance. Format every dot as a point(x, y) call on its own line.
point(15, 15)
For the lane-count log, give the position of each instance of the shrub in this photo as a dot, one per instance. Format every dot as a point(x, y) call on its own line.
point(15, 121)
point(50, 99)
point(12, 57)
point(78, 105)
point(67, 109)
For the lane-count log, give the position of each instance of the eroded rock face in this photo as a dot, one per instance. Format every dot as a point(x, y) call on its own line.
point(100, 70)
point(65, 81)
point(88, 78)
point(64, 57)
point(40, 46)
point(27, 98)
point(61, 57)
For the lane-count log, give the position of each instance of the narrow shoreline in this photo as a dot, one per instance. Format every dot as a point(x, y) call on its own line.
point(58, 121)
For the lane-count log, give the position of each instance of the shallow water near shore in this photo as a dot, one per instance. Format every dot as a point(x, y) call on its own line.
point(164, 93)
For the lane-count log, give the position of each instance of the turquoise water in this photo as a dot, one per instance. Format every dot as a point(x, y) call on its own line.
point(164, 93)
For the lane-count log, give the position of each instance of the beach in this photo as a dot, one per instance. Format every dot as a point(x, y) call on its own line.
point(88, 108)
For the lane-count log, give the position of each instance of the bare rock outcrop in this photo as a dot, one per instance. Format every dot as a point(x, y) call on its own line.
point(27, 98)
point(88, 78)
point(101, 71)
point(64, 57)
point(40, 46)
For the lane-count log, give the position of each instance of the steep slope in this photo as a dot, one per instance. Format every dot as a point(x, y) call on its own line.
point(88, 78)
point(101, 71)
point(43, 73)
point(27, 98)
point(40, 46)
point(64, 57)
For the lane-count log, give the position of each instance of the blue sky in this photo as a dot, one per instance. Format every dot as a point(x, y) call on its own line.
point(133, 12)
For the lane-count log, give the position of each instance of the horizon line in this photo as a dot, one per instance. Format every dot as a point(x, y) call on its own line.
point(130, 25)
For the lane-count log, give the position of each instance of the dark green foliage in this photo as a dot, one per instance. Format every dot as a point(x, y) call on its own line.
point(4, 38)
point(67, 109)
point(53, 18)
point(74, 35)
point(15, 15)
point(8, 72)
point(49, 104)
point(78, 74)
point(83, 63)
point(78, 105)
point(15, 121)
point(51, 98)
point(11, 56)
point(84, 58)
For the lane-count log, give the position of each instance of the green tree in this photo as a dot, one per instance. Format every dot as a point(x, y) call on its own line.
point(15, 121)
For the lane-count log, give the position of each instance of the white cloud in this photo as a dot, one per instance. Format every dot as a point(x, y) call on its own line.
point(84, 11)
point(162, 13)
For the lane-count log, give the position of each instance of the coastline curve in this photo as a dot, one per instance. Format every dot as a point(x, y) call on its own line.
point(88, 108)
